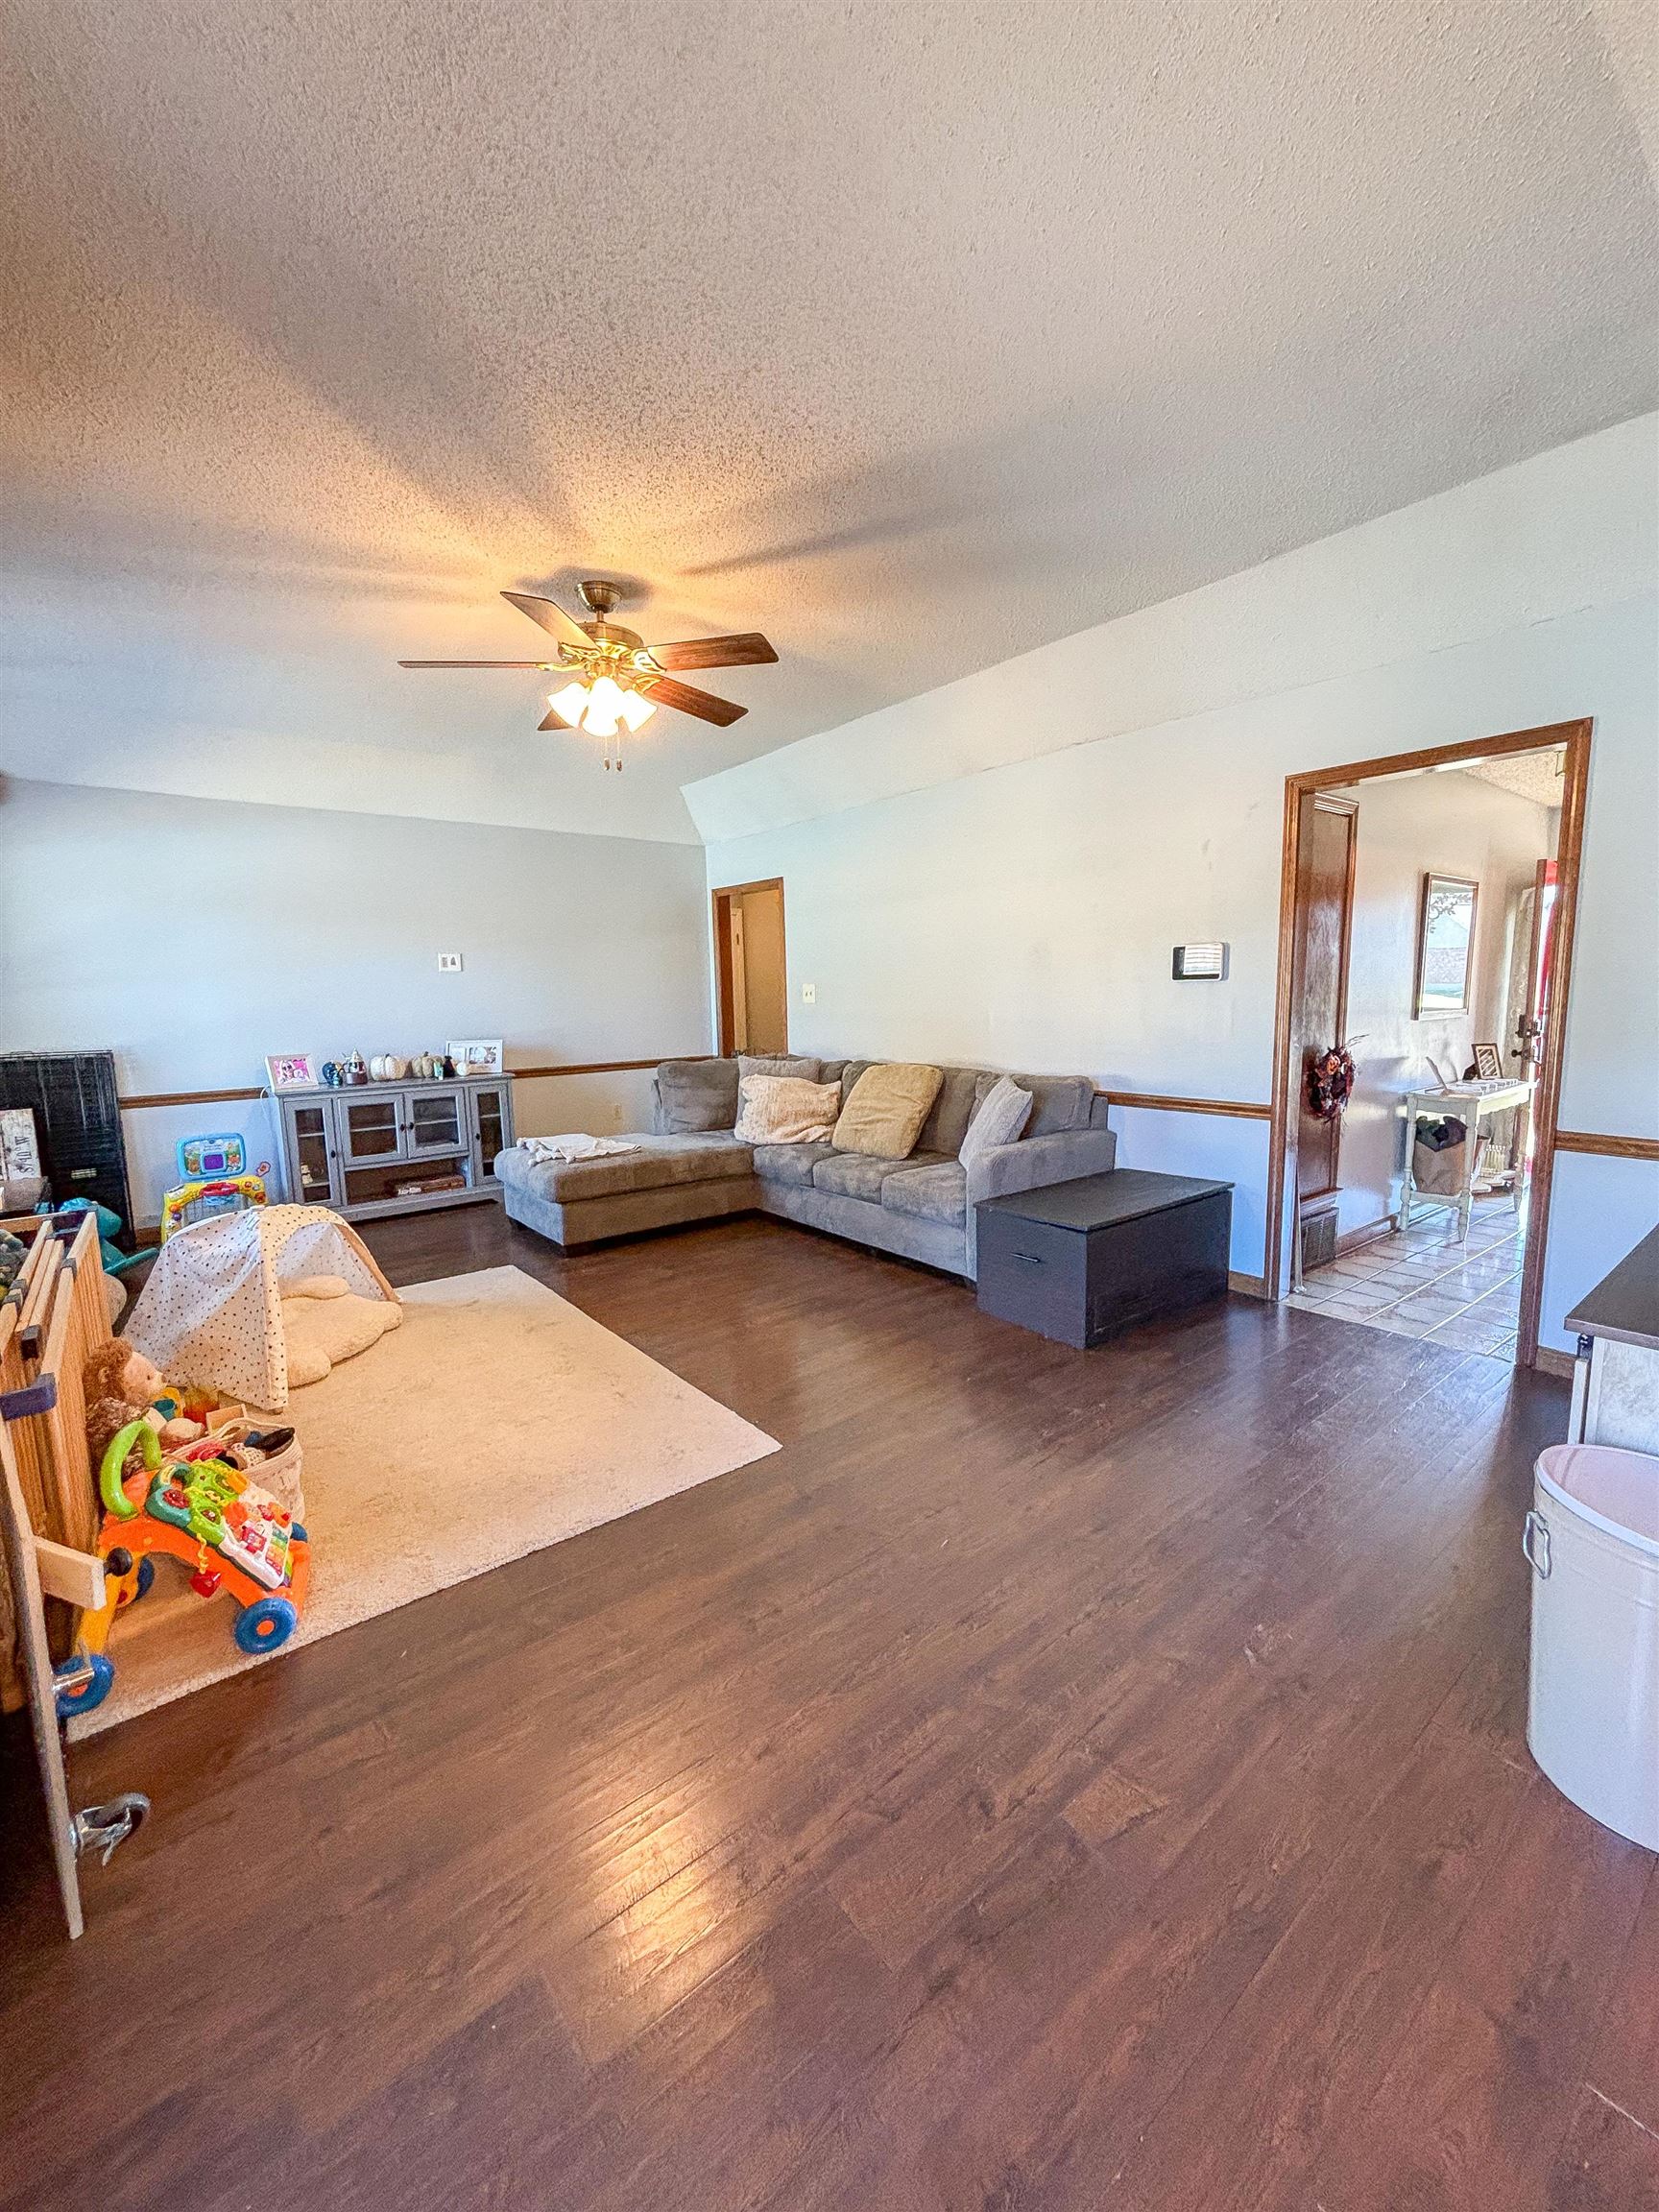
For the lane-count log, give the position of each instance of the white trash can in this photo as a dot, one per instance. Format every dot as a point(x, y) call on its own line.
point(1592, 1715)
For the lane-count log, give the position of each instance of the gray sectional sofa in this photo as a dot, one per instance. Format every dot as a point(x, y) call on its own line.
point(693, 1169)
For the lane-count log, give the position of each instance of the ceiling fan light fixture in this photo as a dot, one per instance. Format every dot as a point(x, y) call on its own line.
point(613, 679)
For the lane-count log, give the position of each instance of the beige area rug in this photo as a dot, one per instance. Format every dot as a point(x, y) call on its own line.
point(565, 1426)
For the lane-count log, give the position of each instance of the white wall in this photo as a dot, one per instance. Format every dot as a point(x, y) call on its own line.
point(1023, 914)
point(192, 938)
point(1452, 826)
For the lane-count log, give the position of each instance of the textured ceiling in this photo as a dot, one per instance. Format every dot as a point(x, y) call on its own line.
point(914, 334)
point(1534, 776)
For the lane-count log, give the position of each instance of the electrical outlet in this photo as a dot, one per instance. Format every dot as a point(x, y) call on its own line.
point(448, 963)
point(808, 994)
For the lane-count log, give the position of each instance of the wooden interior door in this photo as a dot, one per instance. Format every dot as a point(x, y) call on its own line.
point(1319, 979)
point(740, 980)
point(752, 968)
point(1535, 1018)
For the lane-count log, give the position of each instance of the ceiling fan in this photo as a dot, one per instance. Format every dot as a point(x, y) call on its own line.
point(617, 681)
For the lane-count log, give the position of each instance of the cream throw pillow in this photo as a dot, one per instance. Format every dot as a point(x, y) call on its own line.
point(785, 1110)
point(885, 1109)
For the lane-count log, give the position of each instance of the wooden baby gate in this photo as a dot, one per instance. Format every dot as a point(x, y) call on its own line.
point(54, 1315)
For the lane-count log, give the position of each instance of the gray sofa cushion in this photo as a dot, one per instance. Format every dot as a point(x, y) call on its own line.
point(693, 1096)
point(862, 1175)
point(776, 1064)
point(654, 1162)
point(936, 1193)
point(999, 1118)
point(1058, 1103)
point(947, 1118)
point(850, 1070)
point(790, 1162)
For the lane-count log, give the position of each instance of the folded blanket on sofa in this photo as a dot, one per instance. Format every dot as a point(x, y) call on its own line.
point(574, 1147)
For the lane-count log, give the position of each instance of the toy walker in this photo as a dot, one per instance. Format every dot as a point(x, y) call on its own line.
point(197, 1506)
point(216, 1180)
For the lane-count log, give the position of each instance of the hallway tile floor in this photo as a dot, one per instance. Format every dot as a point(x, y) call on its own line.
point(1425, 1284)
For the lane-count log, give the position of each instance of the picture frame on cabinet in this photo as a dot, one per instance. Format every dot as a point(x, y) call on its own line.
point(475, 1055)
point(291, 1070)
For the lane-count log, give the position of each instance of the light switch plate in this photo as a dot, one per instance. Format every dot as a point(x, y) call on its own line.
point(448, 963)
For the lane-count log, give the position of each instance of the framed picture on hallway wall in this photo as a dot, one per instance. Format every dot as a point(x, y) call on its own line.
point(1445, 945)
point(1488, 1063)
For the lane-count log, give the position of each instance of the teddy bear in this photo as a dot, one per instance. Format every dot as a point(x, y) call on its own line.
point(121, 1385)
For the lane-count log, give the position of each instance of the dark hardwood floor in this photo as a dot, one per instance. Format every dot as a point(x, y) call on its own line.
point(1054, 1781)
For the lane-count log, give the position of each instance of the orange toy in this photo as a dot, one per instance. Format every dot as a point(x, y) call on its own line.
point(201, 1509)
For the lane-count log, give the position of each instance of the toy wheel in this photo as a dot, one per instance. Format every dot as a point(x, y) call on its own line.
point(299, 1535)
point(85, 1697)
point(266, 1625)
point(146, 1575)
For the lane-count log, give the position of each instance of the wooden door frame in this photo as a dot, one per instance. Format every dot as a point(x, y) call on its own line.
point(1575, 737)
point(1330, 805)
point(720, 921)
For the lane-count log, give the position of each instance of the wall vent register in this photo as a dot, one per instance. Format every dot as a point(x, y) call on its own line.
point(1199, 964)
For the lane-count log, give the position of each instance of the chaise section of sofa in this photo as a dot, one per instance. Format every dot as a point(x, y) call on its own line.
point(691, 1168)
point(665, 1181)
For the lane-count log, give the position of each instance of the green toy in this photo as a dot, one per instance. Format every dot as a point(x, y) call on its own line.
point(115, 1261)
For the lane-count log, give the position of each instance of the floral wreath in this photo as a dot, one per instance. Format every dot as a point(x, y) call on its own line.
point(1331, 1082)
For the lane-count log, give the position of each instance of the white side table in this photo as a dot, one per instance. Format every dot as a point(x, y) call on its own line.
point(1470, 1103)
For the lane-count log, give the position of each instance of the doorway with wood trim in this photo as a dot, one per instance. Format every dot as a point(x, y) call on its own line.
point(751, 967)
point(1326, 850)
point(1437, 1254)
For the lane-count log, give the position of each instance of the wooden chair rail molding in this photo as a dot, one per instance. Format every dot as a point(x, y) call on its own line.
point(1239, 1108)
point(142, 1099)
point(1606, 1147)
point(1603, 1146)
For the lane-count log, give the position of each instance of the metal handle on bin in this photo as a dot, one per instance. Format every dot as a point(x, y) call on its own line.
point(1536, 1543)
point(1029, 1258)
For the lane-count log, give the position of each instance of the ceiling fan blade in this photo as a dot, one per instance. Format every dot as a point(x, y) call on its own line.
point(744, 650)
point(664, 691)
point(553, 720)
point(552, 619)
point(473, 665)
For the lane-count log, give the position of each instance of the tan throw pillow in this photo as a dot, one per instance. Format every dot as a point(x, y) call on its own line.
point(785, 1110)
point(885, 1109)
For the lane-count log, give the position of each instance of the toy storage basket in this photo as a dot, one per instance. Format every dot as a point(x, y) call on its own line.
point(1592, 1715)
point(281, 1473)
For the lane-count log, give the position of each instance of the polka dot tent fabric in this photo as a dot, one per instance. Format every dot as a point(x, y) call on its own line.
point(211, 1311)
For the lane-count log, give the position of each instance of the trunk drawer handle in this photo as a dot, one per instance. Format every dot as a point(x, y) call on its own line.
point(1536, 1543)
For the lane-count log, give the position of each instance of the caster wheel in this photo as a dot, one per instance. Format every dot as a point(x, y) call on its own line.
point(146, 1575)
point(266, 1625)
point(87, 1696)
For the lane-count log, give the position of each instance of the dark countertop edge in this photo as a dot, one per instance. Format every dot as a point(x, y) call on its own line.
point(1623, 1305)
